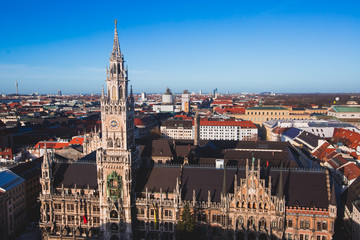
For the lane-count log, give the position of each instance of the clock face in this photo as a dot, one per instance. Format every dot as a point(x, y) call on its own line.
point(114, 124)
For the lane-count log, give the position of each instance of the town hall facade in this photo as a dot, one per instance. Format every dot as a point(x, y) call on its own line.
point(120, 196)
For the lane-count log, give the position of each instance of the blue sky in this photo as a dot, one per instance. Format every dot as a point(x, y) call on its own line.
point(235, 46)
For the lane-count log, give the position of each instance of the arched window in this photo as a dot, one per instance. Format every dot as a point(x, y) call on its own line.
point(114, 93)
point(251, 221)
point(249, 205)
point(114, 227)
point(121, 92)
point(273, 224)
point(302, 224)
point(280, 224)
point(110, 142)
point(318, 226)
point(324, 226)
point(239, 223)
point(114, 238)
point(113, 214)
point(262, 223)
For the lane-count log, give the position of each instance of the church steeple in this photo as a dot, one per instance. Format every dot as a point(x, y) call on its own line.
point(116, 47)
point(118, 159)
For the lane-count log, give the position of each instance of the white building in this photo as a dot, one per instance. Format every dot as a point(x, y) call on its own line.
point(177, 129)
point(345, 112)
point(167, 97)
point(185, 101)
point(210, 130)
point(321, 128)
point(228, 130)
point(167, 104)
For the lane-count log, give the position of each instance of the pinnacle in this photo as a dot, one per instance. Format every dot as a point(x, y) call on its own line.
point(116, 47)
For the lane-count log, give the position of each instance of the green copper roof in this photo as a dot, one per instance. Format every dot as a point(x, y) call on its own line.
point(346, 109)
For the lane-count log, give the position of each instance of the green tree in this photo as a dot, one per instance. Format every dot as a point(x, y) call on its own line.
point(186, 225)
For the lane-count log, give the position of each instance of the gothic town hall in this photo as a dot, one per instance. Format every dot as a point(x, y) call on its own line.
point(120, 194)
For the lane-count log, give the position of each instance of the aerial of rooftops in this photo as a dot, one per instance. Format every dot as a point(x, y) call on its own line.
point(285, 131)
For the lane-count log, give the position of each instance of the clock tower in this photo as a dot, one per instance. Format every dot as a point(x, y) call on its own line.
point(118, 158)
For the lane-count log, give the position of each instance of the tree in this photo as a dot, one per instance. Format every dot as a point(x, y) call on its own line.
point(186, 225)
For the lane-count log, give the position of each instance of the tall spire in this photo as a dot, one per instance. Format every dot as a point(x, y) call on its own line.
point(333, 196)
point(116, 48)
point(280, 184)
point(224, 181)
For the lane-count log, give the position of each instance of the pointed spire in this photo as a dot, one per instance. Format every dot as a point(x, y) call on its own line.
point(102, 91)
point(333, 196)
point(116, 48)
point(197, 128)
point(235, 182)
point(45, 157)
point(280, 185)
point(224, 181)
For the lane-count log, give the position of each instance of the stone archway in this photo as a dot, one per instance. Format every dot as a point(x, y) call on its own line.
point(273, 237)
point(251, 236)
point(263, 236)
point(114, 238)
point(113, 214)
point(240, 236)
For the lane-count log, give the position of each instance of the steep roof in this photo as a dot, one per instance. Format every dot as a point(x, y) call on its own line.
point(69, 174)
point(350, 138)
point(309, 139)
point(297, 185)
point(350, 171)
point(158, 148)
point(27, 170)
point(158, 177)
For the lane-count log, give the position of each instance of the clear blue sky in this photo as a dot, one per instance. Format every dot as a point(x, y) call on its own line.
point(239, 46)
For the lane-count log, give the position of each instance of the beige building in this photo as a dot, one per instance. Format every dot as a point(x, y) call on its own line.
point(259, 115)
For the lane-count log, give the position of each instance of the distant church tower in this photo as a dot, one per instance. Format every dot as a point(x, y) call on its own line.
point(118, 159)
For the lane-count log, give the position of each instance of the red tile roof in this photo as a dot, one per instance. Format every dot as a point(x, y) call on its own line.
point(184, 117)
point(327, 154)
point(279, 130)
point(319, 150)
point(138, 122)
point(237, 110)
point(6, 153)
point(219, 110)
point(350, 171)
point(77, 140)
point(51, 145)
point(349, 138)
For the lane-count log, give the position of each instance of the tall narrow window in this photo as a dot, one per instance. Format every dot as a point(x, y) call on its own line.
point(114, 93)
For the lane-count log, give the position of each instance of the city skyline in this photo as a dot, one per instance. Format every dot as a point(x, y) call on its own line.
point(236, 47)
